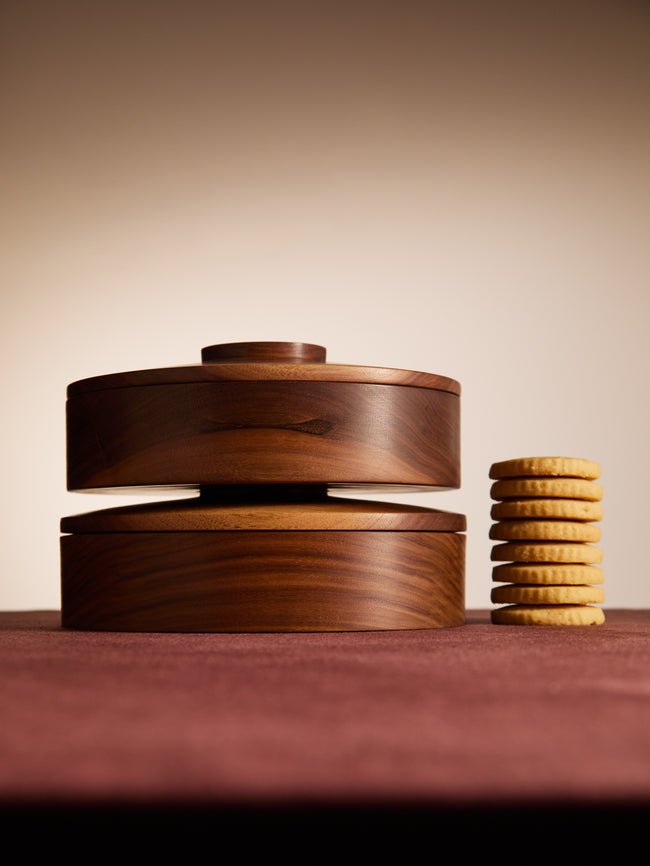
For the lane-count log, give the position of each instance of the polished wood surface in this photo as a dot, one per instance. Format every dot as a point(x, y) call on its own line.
point(211, 512)
point(262, 581)
point(275, 372)
point(272, 432)
point(265, 361)
point(264, 353)
point(262, 432)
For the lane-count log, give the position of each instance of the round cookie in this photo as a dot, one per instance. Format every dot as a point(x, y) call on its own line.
point(545, 487)
point(549, 614)
point(551, 509)
point(544, 530)
point(548, 573)
point(527, 594)
point(567, 467)
point(546, 551)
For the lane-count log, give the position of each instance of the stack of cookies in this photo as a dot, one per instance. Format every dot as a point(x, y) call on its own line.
point(545, 512)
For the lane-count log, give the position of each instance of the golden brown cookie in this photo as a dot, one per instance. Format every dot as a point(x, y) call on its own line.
point(567, 573)
point(567, 467)
point(530, 594)
point(548, 614)
point(544, 530)
point(545, 487)
point(550, 509)
point(546, 551)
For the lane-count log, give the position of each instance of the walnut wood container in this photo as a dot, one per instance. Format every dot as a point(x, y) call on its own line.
point(320, 565)
point(264, 414)
point(262, 432)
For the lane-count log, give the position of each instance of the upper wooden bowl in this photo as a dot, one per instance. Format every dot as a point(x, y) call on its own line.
point(264, 414)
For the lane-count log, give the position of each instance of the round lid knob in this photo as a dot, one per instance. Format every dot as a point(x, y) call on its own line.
point(264, 352)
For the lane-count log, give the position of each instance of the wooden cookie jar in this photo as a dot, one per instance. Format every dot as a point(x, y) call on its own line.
point(261, 434)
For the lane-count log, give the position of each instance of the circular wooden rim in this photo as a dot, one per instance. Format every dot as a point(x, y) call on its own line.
point(247, 372)
point(197, 515)
point(169, 489)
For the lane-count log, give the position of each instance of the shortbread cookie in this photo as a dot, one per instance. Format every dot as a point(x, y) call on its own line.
point(545, 487)
point(544, 530)
point(551, 509)
point(548, 614)
point(567, 573)
point(529, 594)
point(567, 467)
point(546, 551)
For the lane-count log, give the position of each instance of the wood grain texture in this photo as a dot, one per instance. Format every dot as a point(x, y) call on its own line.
point(264, 353)
point(277, 371)
point(262, 581)
point(324, 513)
point(264, 432)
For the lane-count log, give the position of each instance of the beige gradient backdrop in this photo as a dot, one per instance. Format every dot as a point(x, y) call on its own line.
point(461, 188)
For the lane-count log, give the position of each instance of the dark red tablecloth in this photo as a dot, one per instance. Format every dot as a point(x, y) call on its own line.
point(480, 717)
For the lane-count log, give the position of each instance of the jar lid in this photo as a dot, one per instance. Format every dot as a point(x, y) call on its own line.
point(265, 361)
point(325, 514)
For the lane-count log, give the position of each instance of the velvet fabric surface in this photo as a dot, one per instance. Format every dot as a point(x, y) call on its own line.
point(479, 717)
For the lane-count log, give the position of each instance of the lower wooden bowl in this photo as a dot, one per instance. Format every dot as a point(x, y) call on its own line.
point(322, 566)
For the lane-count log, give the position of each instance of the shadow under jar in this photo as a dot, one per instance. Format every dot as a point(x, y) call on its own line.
point(262, 433)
